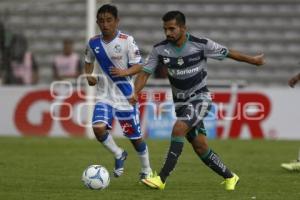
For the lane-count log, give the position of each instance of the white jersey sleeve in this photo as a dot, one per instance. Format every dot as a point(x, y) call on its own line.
point(89, 56)
point(215, 51)
point(134, 55)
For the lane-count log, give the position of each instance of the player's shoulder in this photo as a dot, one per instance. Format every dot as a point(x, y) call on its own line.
point(162, 43)
point(197, 39)
point(123, 36)
point(96, 37)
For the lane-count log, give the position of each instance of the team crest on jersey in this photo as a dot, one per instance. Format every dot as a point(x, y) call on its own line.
point(117, 48)
point(180, 61)
point(166, 60)
point(171, 72)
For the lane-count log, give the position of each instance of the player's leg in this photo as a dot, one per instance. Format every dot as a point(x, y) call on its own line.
point(197, 137)
point(143, 154)
point(177, 140)
point(129, 121)
point(180, 129)
point(102, 121)
point(106, 139)
point(188, 114)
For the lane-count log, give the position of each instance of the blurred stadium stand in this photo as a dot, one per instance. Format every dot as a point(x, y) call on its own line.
point(269, 26)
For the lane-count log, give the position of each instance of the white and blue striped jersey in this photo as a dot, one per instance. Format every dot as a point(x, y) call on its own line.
point(121, 52)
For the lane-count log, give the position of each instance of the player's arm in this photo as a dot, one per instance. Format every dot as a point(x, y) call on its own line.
point(255, 60)
point(134, 69)
point(139, 84)
point(144, 75)
point(89, 66)
point(217, 51)
point(141, 81)
point(88, 69)
point(293, 81)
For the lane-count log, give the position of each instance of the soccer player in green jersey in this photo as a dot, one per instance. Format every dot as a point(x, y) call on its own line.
point(185, 57)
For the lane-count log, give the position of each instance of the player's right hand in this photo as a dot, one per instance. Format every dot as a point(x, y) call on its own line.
point(133, 99)
point(92, 80)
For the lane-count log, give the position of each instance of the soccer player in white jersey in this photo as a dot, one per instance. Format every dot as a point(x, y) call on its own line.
point(186, 56)
point(118, 58)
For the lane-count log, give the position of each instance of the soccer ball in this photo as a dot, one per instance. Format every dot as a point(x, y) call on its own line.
point(95, 177)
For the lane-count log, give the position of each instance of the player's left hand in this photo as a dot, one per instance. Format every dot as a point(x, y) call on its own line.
point(259, 59)
point(117, 72)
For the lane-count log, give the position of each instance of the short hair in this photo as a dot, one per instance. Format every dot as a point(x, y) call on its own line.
point(177, 15)
point(107, 8)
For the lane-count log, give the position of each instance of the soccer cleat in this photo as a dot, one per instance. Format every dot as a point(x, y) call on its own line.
point(154, 182)
point(230, 183)
point(292, 166)
point(119, 164)
point(144, 175)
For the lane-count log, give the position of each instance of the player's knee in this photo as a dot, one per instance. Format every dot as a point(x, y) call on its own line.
point(100, 131)
point(139, 145)
point(200, 147)
point(180, 129)
point(201, 150)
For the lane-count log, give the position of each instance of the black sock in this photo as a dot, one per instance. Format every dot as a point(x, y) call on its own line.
point(171, 160)
point(212, 160)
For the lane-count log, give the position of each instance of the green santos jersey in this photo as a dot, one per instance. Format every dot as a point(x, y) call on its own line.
point(187, 66)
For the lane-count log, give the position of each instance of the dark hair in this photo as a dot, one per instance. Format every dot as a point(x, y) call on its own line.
point(107, 8)
point(177, 15)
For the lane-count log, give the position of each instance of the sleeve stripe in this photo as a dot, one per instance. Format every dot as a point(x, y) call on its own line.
point(227, 52)
point(147, 70)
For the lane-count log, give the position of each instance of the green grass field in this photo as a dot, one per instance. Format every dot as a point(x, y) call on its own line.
point(43, 168)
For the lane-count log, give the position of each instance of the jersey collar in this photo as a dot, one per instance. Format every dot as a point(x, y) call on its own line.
point(179, 49)
point(117, 34)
